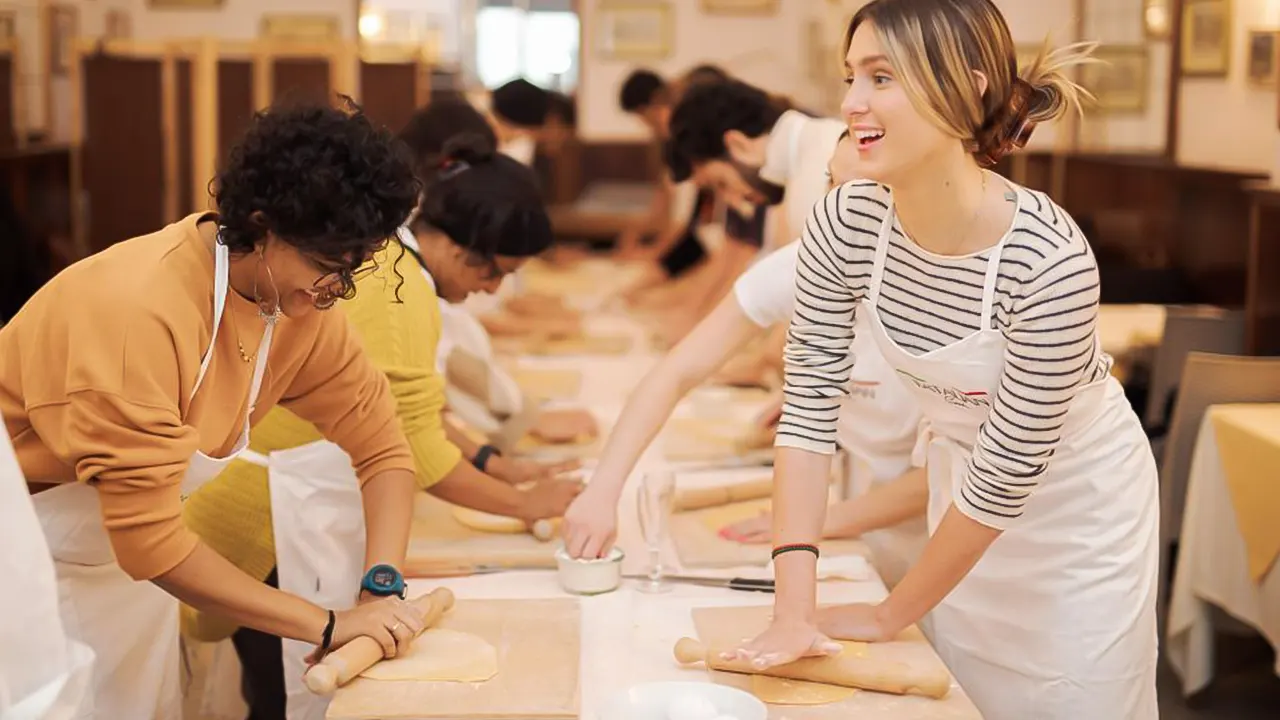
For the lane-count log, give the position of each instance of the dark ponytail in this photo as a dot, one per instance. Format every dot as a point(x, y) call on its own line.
point(484, 201)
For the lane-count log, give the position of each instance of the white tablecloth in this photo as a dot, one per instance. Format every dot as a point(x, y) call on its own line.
point(1213, 571)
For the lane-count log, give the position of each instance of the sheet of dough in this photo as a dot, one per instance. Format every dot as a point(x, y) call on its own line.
point(442, 655)
point(485, 522)
point(781, 691)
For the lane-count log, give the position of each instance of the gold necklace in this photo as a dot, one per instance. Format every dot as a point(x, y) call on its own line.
point(240, 345)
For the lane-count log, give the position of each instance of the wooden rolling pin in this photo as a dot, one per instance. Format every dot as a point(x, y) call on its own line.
point(848, 670)
point(340, 666)
point(705, 497)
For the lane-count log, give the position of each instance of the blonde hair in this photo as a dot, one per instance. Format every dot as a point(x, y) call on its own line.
point(938, 46)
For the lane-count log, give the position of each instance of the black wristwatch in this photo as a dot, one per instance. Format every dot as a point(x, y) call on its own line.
point(482, 456)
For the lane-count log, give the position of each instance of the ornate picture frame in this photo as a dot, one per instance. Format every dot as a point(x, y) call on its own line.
point(1205, 38)
point(1120, 83)
point(635, 30)
point(740, 7)
point(1261, 60)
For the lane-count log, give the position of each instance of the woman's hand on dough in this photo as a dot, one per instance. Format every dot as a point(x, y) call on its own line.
point(591, 523)
point(758, 529)
point(389, 620)
point(562, 426)
point(785, 641)
point(859, 621)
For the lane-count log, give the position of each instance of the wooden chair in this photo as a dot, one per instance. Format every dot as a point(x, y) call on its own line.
point(1207, 379)
point(1197, 328)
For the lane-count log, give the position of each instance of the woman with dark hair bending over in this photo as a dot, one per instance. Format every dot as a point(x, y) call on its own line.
point(1040, 572)
point(481, 217)
point(133, 377)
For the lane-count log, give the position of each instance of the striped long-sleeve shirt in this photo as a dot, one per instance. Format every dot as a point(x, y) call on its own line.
point(1045, 305)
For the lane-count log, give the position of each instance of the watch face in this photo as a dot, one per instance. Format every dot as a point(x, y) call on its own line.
point(384, 578)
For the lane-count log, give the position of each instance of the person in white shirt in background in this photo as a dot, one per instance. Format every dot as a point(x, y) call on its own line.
point(479, 390)
point(44, 675)
point(877, 423)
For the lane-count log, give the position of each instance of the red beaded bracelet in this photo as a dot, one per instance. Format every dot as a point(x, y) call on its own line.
point(795, 546)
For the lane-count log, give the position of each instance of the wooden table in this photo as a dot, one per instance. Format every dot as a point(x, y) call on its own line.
point(628, 636)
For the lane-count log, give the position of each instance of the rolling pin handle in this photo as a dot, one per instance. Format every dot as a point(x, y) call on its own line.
point(690, 651)
point(321, 679)
point(543, 530)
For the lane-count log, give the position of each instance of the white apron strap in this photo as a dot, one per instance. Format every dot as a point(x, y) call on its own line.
point(221, 284)
point(882, 252)
point(989, 286)
point(260, 367)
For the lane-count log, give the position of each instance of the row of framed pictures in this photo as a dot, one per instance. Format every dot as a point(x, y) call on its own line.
point(641, 30)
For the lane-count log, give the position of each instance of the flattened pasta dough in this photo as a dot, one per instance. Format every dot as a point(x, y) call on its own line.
point(485, 522)
point(783, 691)
point(442, 655)
point(715, 518)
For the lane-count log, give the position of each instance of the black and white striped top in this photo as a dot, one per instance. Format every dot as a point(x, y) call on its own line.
point(1046, 305)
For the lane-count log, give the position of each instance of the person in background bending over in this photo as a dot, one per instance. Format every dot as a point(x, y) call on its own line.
point(1039, 576)
point(132, 378)
point(878, 421)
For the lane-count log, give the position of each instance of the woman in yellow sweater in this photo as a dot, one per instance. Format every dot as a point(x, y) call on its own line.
point(481, 218)
point(132, 378)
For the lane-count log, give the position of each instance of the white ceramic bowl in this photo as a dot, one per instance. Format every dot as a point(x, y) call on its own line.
point(590, 577)
point(682, 701)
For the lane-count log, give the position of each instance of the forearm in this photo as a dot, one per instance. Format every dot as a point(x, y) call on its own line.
point(799, 508)
point(884, 505)
point(388, 515)
point(468, 487)
point(460, 439)
point(950, 554)
point(210, 583)
point(774, 345)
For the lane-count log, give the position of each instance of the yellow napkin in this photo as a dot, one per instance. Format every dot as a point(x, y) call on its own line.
point(1249, 445)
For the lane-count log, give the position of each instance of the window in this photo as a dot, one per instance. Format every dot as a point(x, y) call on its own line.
point(526, 38)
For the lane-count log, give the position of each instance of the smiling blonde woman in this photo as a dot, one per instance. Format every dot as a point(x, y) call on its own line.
point(1040, 573)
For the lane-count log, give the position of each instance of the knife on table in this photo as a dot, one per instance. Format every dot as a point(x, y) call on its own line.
point(737, 583)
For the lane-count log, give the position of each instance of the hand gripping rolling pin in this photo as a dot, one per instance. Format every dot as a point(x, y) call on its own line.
point(340, 666)
point(846, 669)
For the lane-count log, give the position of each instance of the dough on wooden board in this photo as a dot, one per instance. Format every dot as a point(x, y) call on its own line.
point(486, 522)
point(443, 655)
point(785, 691)
point(715, 518)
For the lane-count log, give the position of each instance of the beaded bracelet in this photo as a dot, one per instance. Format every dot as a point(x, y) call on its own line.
point(795, 546)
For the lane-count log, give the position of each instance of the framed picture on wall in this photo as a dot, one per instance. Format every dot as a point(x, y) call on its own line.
point(179, 4)
point(118, 24)
point(1206, 38)
point(635, 30)
point(1119, 81)
point(740, 7)
point(1262, 57)
point(8, 23)
point(299, 26)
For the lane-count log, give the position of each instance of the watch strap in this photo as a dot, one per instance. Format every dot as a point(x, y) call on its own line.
point(482, 456)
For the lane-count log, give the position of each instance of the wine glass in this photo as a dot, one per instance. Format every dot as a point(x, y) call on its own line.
point(655, 501)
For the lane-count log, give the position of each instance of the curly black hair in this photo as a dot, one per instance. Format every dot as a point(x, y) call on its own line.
point(325, 180)
point(706, 112)
point(434, 124)
point(485, 202)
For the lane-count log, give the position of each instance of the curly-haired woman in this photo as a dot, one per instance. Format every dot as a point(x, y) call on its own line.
point(133, 377)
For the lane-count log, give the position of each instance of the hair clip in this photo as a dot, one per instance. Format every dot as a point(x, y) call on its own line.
point(451, 168)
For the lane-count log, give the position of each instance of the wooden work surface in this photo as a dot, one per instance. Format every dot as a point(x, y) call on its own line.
point(538, 650)
point(718, 626)
point(437, 538)
point(698, 544)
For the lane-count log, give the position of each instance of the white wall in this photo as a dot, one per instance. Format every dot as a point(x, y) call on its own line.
point(1119, 22)
point(1208, 105)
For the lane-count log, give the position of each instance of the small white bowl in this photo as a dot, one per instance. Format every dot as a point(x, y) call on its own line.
point(676, 700)
point(590, 577)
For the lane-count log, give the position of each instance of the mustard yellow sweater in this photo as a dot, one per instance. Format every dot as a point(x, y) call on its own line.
point(233, 512)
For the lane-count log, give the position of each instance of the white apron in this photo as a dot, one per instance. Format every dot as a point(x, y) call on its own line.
point(131, 626)
point(317, 516)
point(877, 427)
point(44, 675)
point(1057, 620)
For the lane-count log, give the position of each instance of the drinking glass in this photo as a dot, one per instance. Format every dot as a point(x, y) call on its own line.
point(655, 501)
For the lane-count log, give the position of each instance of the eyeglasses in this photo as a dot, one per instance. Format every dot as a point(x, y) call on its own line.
point(337, 285)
